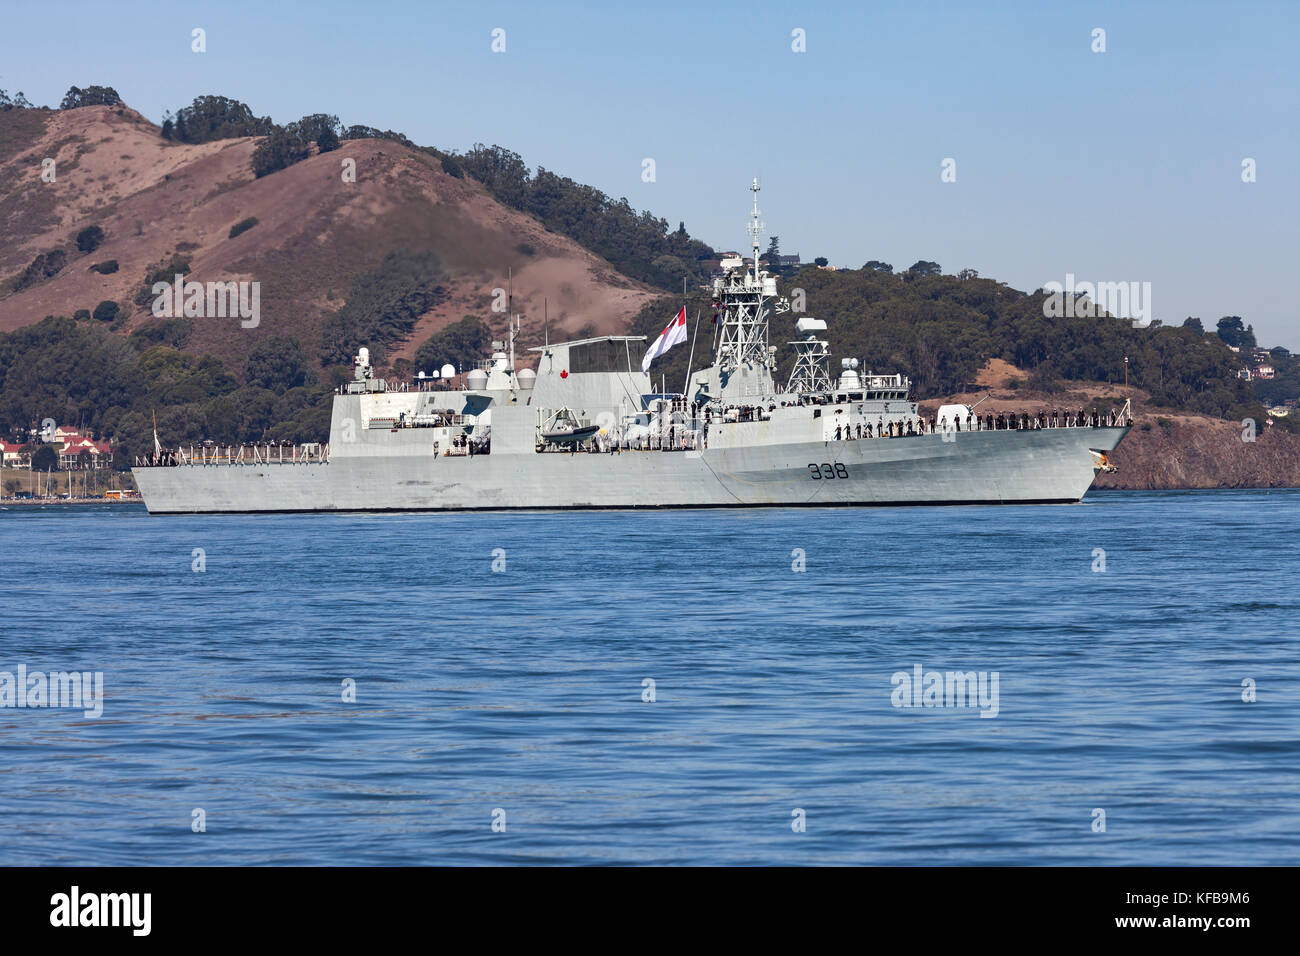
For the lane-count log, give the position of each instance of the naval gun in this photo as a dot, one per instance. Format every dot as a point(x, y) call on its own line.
point(958, 412)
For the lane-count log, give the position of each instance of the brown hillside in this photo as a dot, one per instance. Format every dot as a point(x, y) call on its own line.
point(315, 232)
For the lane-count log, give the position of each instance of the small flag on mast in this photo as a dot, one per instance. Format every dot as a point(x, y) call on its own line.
point(673, 334)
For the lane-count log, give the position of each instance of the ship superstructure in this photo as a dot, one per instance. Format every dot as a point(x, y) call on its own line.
point(587, 429)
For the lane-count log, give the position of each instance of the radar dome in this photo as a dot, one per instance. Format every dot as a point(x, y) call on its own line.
point(527, 378)
point(449, 371)
point(476, 379)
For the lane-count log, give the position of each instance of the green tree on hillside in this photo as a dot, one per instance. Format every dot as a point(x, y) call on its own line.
point(217, 117)
point(89, 239)
point(460, 344)
point(383, 305)
point(90, 96)
point(106, 311)
point(279, 150)
point(44, 266)
point(369, 132)
point(1233, 332)
point(278, 364)
point(19, 102)
point(633, 242)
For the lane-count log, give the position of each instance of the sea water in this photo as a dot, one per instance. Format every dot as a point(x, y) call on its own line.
point(706, 687)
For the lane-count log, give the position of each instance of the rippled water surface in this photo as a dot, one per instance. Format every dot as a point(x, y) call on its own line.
point(522, 690)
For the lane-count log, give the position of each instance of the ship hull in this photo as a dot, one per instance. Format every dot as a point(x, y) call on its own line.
point(996, 467)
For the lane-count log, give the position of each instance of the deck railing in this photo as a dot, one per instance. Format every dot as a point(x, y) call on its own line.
point(261, 454)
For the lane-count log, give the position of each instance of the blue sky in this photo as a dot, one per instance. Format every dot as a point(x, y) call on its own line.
point(1115, 166)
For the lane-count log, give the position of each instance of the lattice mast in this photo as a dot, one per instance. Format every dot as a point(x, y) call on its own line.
point(746, 300)
point(810, 372)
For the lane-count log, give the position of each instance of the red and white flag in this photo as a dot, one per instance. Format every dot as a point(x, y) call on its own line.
point(674, 333)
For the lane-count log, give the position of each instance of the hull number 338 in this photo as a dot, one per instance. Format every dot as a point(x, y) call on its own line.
point(818, 472)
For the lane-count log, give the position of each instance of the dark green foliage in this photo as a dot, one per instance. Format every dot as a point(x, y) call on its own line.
point(45, 458)
point(216, 117)
point(105, 268)
point(369, 132)
point(90, 96)
point(278, 365)
point(635, 243)
point(452, 168)
point(65, 371)
point(165, 270)
point(44, 266)
point(106, 311)
point(461, 344)
point(821, 261)
point(311, 128)
point(172, 332)
point(1232, 332)
point(922, 268)
point(90, 238)
point(302, 415)
point(243, 226)
point(291, 144)
point(81, 315)
point(172, 377)
point(1194, 324)
point(382, 306)
point(940, 330)
point(525, 249)
point(502, 171)
point(879, 266)
point(277, 151)
point(19, 102)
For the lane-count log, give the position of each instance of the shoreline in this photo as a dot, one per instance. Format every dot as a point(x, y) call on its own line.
point(28, 502)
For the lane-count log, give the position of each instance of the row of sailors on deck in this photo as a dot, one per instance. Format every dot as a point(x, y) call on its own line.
point(1024, 421)
point(746, 413)
point(883, 429)
point(1002, 421)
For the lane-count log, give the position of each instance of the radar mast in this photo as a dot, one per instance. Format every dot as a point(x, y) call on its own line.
point(745, 300)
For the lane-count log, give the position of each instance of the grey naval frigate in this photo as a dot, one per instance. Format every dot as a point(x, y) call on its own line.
point(587, 429)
